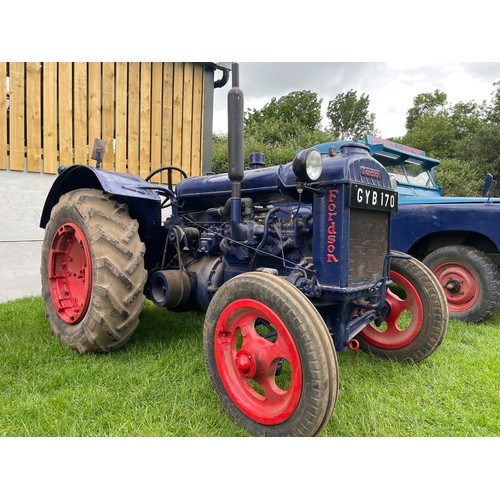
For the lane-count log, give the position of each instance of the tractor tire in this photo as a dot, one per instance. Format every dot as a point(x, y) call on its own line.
point(270, 357)
point(417, 320)
point(92, 272)
point(470, 280)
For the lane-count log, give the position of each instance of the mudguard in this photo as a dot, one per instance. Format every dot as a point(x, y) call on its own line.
point(143, 201)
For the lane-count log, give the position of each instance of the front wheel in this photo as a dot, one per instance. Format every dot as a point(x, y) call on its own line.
point(270, 357)
point(417, 317)
point(92, 271)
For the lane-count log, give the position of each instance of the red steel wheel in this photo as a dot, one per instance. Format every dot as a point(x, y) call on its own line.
point(70, 273)
point(270, 357)
point(460, 285)
point(248, 371)
point(470, 280)
point(417, 317)
point(405, 318)
point(92, 271)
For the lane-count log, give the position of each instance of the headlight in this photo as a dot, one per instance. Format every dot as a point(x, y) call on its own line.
point(307, 165)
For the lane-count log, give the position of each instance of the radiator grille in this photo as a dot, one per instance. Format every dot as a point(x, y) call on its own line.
point(368, 245)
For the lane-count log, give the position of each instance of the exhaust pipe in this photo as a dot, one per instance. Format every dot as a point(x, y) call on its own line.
point(236, 150)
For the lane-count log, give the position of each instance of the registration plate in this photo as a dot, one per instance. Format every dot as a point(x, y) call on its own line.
point(373, 198)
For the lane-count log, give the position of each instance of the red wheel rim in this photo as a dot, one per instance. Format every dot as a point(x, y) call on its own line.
point(70, 273)
point(247, 362)
point(460, 285)
point(405, 318)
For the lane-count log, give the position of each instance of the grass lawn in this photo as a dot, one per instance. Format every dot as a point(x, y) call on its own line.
point(157, 384)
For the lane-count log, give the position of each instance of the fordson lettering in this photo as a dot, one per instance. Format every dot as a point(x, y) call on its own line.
point(370, 172)
point(332, 233)
point(374, 198)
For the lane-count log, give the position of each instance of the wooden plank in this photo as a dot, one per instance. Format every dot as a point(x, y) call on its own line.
point(50, 117)
point(145, 121)
point(197, 143)
point(94, 110)
point(178, 94)
point(80, 112)
point(3, 116)
point(34, 115)
point(121, 117)
point(65, 84)
point(187, 118)
point(133, 119)
point(156, 104)
point(108, 113)
point(16, 116)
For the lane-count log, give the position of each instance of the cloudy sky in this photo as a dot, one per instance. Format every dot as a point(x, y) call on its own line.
point(391, 86)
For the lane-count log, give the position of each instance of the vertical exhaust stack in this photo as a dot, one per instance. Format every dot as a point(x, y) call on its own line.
point(235, 110)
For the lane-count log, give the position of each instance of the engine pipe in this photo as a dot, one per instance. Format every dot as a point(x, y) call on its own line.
point(235, 106)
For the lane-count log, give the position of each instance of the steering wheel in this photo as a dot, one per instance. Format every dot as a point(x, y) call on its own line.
point(169, 168)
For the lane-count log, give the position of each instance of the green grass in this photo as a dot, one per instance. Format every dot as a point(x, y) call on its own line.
point(157, 384)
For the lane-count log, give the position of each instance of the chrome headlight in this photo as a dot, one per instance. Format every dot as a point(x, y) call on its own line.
point(308, 165)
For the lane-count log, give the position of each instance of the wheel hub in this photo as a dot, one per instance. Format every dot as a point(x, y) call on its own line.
point(461, 287)
point(246, 363)
point(70, 273)
point(454, 285)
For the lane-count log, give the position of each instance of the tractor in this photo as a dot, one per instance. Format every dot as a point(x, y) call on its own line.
point(291, 264)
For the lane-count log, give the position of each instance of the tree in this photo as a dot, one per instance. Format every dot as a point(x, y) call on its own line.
point(299, 108)
point(482, 149)
point(465, 118)
point(438, 127)
point(425, 104)
point(349, 115)
point(434, 134)
point(493, 109)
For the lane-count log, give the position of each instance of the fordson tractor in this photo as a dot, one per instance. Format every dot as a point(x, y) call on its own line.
point(291, 263)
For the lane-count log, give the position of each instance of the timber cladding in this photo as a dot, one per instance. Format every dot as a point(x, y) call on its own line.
point(149, 114)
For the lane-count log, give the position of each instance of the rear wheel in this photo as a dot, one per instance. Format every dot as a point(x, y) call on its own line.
point(470, 280)
point(417, 316)
point(270, 357)
point(92, 271)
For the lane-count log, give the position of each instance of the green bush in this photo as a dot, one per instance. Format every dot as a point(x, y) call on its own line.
point(275, 153)
point(459, 178)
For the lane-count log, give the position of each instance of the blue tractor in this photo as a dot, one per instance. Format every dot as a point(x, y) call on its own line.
point(291, 263)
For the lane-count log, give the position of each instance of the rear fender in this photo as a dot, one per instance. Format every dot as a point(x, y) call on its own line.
point(143, 202)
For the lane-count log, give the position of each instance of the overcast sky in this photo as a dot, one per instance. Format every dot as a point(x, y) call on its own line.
point(390, 86)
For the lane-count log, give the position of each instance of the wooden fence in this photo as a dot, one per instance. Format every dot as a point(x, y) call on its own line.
point(149, 114)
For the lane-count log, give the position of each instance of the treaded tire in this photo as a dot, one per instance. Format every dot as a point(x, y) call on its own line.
point(113, 290)
point(476, 277)
point(301, 327)
point(424, 296)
